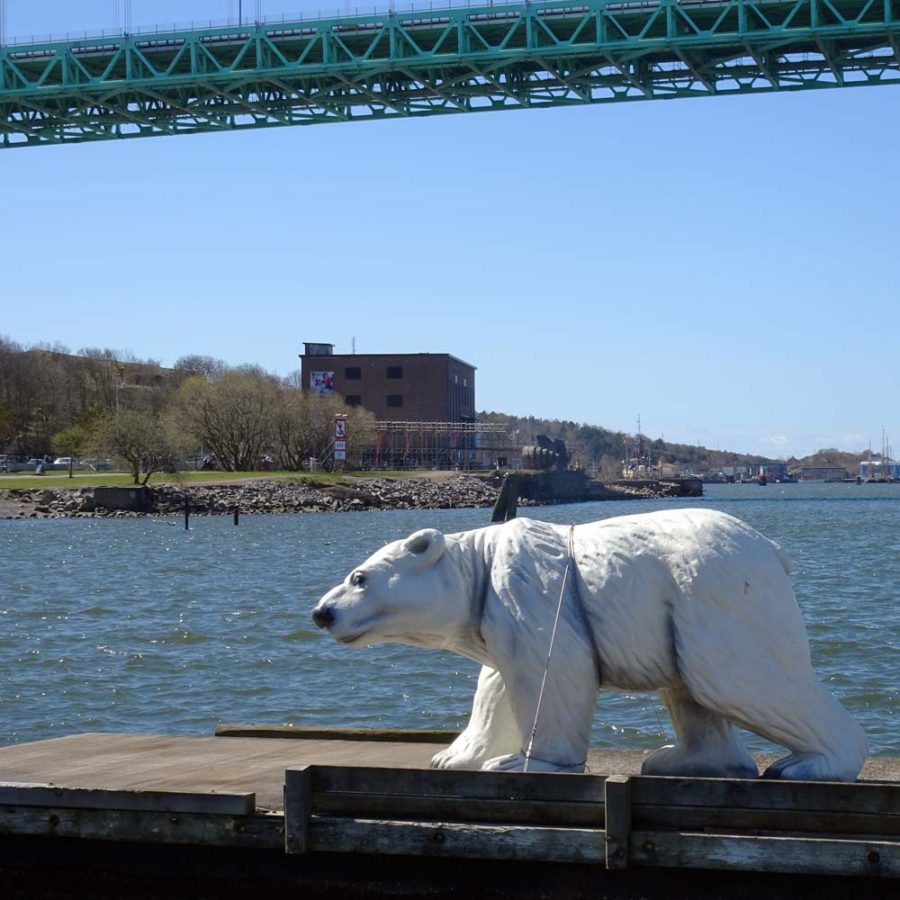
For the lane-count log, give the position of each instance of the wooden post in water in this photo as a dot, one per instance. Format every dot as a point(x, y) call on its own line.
point(237, 514)
point(187, 515)
point(507, 500)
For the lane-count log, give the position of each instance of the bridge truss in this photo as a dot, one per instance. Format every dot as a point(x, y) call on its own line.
point(455, 60)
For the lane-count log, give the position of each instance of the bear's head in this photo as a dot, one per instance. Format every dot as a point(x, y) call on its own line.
point(409, 592)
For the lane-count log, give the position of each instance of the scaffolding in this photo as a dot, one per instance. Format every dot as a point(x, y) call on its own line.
point(442, 445)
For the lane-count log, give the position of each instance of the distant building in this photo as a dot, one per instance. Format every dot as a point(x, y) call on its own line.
point(879, 469)
point(822, 473)
point(424, 404)
point(773, 471)
point(398, 387)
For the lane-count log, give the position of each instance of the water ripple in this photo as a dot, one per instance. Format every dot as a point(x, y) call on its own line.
point(121, 625)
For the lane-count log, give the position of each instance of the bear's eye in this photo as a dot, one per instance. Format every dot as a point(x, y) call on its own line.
point(357, 579)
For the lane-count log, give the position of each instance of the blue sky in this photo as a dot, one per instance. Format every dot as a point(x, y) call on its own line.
point(727, 268)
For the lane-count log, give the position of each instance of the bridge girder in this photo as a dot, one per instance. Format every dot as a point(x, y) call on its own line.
point(471, 59)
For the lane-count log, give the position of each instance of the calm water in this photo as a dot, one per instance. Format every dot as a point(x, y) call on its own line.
point(137, 625)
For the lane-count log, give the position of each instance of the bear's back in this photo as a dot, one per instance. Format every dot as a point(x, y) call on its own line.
point(656, 583)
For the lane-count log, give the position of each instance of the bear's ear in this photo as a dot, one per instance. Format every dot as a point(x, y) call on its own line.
point(427, 545)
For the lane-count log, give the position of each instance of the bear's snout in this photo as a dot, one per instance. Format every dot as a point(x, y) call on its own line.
point(323, 616)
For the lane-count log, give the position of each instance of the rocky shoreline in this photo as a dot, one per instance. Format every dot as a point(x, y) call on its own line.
point(279, 496)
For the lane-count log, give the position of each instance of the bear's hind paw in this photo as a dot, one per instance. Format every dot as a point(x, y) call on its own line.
point(810, 767)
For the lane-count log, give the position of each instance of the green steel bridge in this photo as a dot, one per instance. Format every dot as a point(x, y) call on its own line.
point(430, 62)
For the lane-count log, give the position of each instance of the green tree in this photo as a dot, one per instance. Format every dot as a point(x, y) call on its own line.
point(71, 442)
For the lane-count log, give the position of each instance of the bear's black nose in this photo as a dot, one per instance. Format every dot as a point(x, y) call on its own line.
point(323, 617)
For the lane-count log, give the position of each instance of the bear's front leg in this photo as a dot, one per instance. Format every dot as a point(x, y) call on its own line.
point(558, 736)
point(491, 731)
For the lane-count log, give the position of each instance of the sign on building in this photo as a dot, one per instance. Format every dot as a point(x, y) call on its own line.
point(321, 382)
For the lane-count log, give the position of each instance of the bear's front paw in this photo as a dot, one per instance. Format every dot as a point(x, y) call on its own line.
point(515, 762)
point(453, 759)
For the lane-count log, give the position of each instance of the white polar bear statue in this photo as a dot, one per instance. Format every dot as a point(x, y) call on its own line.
point(690, 602)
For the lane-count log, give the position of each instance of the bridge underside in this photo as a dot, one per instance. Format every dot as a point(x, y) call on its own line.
point(472, 59)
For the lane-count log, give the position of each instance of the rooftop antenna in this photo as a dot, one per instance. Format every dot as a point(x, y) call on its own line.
point(353, 345)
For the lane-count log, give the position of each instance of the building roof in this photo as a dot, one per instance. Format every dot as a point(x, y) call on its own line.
point(388, 356)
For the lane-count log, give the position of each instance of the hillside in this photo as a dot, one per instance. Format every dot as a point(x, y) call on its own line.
point(594, 445)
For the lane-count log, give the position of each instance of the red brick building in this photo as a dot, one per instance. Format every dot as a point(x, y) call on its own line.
point(396, 387)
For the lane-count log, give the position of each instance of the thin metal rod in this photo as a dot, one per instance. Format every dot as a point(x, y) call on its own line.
point(540, 700)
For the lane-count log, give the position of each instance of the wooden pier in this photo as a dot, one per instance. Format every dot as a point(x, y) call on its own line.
point(303, 812)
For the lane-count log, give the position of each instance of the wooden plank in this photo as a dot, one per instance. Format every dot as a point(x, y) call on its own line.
point(875, 799)
point(257, 831)
point(449, 783)
point(731, 819)
point(458, 809)
point(297, 808)
point(473, 797)
point(618, 820)
point(457, 841)
point(823, 808)
point(302, 732)
point(782, 855)
point(47, 795)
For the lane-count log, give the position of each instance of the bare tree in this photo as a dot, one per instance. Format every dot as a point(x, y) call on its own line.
point(205, 366)
point(304, 427)
point(232, 416)
point(144, 441)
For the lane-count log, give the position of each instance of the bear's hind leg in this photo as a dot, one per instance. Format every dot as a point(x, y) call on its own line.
point(826, 743)
point(491, 730)
point(706, 745)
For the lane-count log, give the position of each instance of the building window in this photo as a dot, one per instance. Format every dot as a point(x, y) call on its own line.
point(395, 400)
point(353, 400)
point(395, 372)
point(353, 373)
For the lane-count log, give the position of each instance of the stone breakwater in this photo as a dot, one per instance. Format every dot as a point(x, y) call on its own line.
point(262, 496)
point(301, 495)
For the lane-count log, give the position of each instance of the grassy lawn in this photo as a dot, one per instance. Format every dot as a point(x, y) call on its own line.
point(60, 479)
